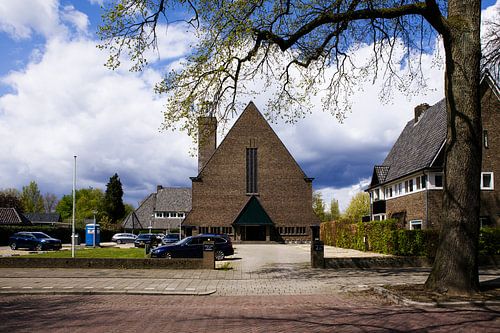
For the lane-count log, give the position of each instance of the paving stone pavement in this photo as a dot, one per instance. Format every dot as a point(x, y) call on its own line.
point(254, 270)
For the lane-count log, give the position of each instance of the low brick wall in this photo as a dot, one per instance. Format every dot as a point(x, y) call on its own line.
point(23, 262)
point(397, 262)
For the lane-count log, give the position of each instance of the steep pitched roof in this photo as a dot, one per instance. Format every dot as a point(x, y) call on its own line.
point(43, 217)
point(132, 222)
point(10, 216)
point(250, 108)
point(418, 144)
point(173, 199)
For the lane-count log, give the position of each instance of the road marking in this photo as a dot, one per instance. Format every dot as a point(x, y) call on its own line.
point(6, 287)
point(149, 288)
point(27, 287)
point(190, 289)
point(169, 288)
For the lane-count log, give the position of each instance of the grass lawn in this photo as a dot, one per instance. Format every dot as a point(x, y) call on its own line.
point(111, 252)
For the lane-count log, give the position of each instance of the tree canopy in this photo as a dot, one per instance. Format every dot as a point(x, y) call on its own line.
point(113, 199)
point(304, 46)
point(31, 199)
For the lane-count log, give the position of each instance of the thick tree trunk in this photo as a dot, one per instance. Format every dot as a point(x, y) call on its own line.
point(455, 268)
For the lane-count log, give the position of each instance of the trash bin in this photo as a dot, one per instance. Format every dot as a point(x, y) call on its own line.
point(90, 233)
point(77, 239)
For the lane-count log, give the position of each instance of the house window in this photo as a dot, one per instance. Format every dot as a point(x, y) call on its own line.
point(487, 181)
point(406, 187)
point(252, 170)
point(203, 230)
point(438, 180)
point(390, 192)
point(410, 185)
point(159, 215)
point(415, 224)
point(417, 182)
point(485, 138)
point(424, 181)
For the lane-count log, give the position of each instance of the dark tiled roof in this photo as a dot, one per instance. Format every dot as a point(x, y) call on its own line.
point(132, 222)
point(167, 199)
point(173, 199)
point(9, 216)
point(43, 217)
point(417, 145)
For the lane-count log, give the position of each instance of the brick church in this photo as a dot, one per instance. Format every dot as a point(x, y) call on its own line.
point(250, 186)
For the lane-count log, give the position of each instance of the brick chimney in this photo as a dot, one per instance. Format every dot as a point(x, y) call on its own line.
point(207, 139)
point(158, 188)
point(419, 110)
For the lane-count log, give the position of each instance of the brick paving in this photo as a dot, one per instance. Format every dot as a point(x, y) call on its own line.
point(290, 313)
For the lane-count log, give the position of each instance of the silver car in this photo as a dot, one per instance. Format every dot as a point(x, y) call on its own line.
point(123, 238)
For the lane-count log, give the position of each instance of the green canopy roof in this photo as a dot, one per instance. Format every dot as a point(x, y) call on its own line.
point(253, 214)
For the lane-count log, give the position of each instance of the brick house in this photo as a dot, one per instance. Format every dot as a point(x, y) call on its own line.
point(163, 210)
point(408, 185)
point(249, 186)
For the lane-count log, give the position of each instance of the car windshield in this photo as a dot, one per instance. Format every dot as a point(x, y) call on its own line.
point(144, 236)
point(183, 241)
point(40, 235)
point(172, 236)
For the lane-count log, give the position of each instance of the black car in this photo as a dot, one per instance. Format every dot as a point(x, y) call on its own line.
point(192, 247)
point(34, 240)
point(151, 239)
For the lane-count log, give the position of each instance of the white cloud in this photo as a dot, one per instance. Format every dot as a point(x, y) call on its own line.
point(76, 18)
point(21, 19)
point(68, 103)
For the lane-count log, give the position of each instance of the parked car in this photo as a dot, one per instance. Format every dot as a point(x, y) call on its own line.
point(151, 239)
point(38, 241)
point(170, 238)
point(192, 247)
point(123, 238)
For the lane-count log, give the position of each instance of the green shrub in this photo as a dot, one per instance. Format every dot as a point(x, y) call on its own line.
point(489, 241)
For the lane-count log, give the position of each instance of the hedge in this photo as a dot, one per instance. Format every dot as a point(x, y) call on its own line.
point(386, 237)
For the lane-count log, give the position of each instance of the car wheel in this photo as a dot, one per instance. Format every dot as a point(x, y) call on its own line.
point(39, 247)
point(119, 241)
point(219, 255)
point(13, 246)
point(168, 255)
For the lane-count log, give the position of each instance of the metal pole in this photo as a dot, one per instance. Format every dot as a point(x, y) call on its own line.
point(95, 230)
point(73, 224)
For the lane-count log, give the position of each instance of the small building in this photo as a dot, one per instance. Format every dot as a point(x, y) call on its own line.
point(52, 219)
point(163, 210)
point(408, 185)
point(249, 186)
point(11, 216)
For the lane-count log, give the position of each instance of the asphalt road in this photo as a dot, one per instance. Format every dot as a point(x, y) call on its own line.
point(309, 313)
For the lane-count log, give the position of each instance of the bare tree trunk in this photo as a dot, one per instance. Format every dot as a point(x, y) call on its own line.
point(455, 269)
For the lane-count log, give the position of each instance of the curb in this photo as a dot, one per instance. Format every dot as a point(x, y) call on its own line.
point(105, 292)
point(400, 300)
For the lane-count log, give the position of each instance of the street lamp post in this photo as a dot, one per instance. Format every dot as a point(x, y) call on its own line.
point(73, 219)
point(95, 229)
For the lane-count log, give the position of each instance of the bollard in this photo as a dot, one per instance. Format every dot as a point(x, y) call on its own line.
point(317, 254)
point(147, 248)
point(208, 255)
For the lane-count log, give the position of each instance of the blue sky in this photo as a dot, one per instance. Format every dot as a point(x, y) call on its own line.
point(58, 100)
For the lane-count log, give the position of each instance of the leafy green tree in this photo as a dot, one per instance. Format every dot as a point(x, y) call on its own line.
point(31, 199)
point(304, 46)
point(358, 207)
point(87, 201)
point(319, 206)
point(113, 199)
point(334, 210)
point(11, 198)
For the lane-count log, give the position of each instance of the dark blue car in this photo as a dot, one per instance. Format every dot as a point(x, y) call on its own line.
point(192, 247)
point(34, 240)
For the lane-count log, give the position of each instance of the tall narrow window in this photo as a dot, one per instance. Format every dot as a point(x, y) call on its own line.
point(485, 138)
point(252, 170)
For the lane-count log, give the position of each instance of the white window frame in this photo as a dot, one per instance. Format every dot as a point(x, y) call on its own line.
point(492, 187)
point(415, 222)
